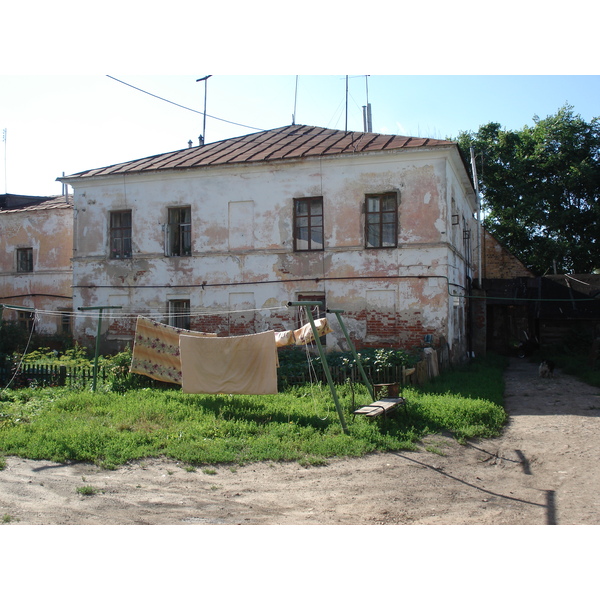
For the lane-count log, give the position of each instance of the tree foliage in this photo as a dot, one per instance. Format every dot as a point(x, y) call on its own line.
point(540, 189)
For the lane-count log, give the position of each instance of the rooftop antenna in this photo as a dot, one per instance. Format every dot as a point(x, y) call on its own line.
point(5, 176)
point(295, 101)
point(346, 126)
point(367, 122)
point(205, 79)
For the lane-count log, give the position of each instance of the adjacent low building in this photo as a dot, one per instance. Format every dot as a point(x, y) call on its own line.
point(35, 260)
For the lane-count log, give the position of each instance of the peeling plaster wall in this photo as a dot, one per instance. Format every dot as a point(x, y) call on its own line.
point(49, 233)
point(242, 249)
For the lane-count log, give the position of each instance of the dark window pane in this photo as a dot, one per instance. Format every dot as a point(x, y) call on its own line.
point(308, 224)
point(381, 221)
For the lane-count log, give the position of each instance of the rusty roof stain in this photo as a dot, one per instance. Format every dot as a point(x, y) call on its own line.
point(289, 142)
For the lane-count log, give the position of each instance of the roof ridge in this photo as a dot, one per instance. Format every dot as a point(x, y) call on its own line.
point(286, 142)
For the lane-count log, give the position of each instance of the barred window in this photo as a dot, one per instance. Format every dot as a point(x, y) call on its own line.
point(179, 314)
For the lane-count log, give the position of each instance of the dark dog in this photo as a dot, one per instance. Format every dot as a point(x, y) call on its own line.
point(546, 368)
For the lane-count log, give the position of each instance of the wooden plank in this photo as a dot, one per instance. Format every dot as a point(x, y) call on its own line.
point(380, 407)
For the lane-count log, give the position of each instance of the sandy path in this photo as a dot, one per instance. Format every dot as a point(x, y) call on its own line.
point(544, 469)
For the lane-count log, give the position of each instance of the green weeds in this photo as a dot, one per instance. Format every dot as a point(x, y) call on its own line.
point(87, 490)
point(299, 424)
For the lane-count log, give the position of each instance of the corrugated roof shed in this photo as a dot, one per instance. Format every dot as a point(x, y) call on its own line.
point(290, 142)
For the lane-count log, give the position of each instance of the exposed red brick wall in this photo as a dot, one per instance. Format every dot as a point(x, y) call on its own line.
point(499, 263)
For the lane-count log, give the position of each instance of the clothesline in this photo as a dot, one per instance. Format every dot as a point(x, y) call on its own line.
point(236, 364)
point(113, 314)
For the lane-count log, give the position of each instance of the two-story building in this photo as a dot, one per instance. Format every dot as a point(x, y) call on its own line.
point(220, 237)
point(36, 234)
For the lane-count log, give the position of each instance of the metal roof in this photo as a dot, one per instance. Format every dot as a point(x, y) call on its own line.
point(290, 142)
point(18, 203)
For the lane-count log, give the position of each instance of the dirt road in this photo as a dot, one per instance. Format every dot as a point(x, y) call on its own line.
point(544, 469)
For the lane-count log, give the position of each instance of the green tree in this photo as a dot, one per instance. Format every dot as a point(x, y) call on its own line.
point(540, 189)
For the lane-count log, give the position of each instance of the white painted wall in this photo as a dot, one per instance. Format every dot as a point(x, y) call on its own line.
point(242, 230)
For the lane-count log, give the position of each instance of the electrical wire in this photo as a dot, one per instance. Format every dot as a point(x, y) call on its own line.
point(199, 112)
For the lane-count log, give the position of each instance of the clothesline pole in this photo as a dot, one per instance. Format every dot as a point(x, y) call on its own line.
point(307, 305)
point(338, 314)
point(99, 308)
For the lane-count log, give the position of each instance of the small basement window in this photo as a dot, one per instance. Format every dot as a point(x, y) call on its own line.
point(179, 314)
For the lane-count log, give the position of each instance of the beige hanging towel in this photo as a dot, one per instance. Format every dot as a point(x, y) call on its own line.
point(156, 350)
point(245, 364)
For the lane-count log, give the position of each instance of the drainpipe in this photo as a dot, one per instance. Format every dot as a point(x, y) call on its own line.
point(476, 185)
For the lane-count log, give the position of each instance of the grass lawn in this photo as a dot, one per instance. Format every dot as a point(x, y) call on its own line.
point(300, 423)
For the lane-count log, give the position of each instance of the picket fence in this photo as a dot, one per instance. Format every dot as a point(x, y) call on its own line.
point(79, 377)
point(30, 375)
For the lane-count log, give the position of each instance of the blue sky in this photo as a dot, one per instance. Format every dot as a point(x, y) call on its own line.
point(62, 113)
point(63, 123)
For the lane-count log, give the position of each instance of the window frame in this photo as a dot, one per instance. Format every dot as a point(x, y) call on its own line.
point(118, 232)
point(26, 319)
point(24, 257)
point(178, 235)
point(179, 311)
point(309, 227)
point(65, 324)
point(382, 221)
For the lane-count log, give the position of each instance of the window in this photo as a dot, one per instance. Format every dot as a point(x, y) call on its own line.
point(25, 320)
point(308, 224)
point(24, 260)
point(179, 232)
point(381, 220)
point(179, 314)
point(65, 323)
point(120, 234)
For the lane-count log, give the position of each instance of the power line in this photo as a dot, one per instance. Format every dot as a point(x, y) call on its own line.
point(199, 112)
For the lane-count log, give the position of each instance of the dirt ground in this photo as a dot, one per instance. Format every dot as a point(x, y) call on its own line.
point(544, 469)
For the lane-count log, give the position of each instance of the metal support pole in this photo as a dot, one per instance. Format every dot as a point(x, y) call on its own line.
point(338, 314)
point(100, 308)
point(338, 407)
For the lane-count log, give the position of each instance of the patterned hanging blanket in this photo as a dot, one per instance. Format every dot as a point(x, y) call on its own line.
point(156, 350)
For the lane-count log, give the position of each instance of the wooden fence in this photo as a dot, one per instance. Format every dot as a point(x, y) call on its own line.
point(29, 375)
point(78, 377)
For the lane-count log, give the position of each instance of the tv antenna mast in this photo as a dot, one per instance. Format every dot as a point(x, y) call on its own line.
point(205, 79)
point(367, 122)
point(4, 136)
